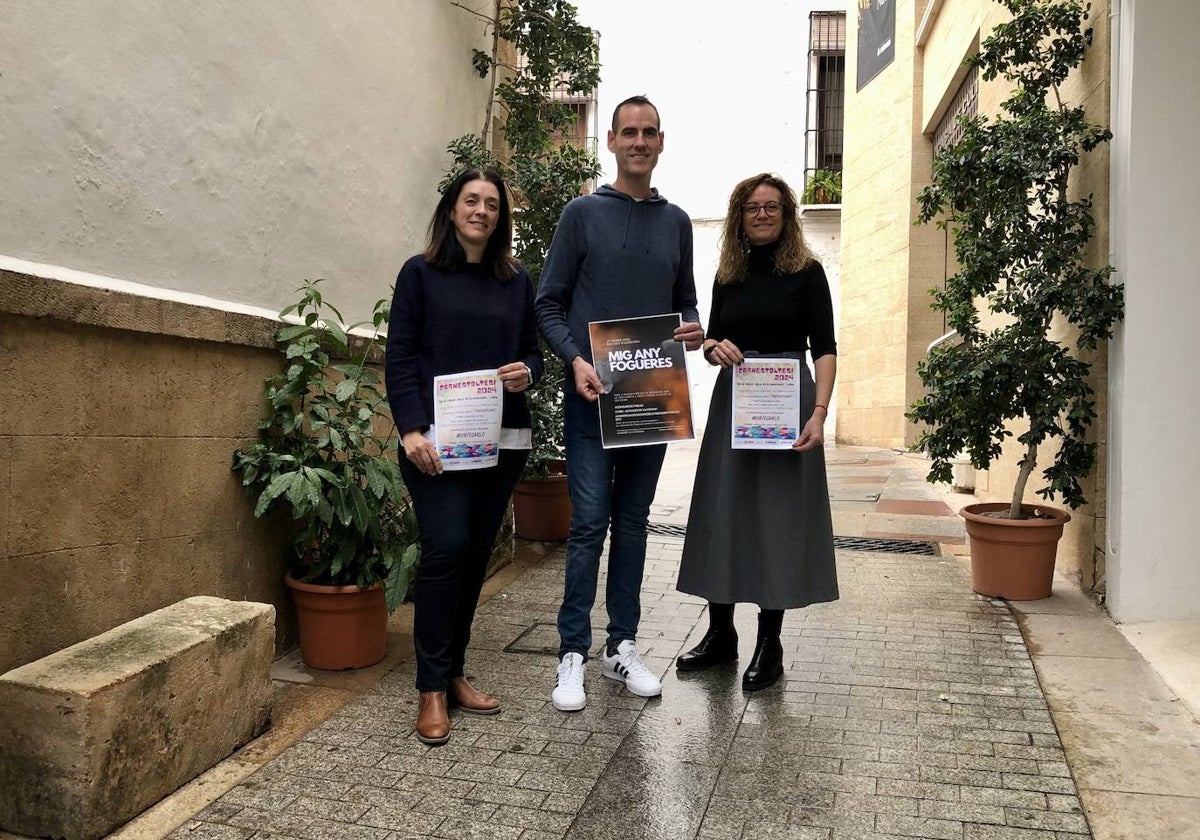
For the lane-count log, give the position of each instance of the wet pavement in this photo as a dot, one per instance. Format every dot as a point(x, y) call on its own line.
point(910, 708)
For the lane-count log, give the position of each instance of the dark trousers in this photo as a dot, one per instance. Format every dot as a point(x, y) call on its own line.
point(459, 514)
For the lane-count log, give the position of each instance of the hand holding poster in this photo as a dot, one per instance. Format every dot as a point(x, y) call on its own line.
point(647, 397)
point(766, 404)
point(467, 408)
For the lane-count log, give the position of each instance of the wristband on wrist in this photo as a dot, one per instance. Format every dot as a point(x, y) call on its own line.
point(818, 405)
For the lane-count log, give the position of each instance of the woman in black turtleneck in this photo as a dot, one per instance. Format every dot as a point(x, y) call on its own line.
point(759, 529)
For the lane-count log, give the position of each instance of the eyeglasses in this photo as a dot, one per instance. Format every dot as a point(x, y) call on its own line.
point(771, 208)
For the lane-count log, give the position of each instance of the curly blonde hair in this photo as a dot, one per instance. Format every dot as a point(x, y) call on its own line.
point(793, 253)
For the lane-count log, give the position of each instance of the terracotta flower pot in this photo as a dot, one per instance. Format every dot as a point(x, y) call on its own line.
point(1013, 558)
point(542, 509)
point(340, 626)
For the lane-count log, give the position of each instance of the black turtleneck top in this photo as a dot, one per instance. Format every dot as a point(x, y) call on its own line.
point(774, 313)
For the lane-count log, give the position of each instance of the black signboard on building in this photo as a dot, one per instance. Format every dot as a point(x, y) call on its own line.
point(876, 38)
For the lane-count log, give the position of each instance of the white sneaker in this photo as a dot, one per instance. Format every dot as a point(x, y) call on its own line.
point(569, 695)
point(627, 667)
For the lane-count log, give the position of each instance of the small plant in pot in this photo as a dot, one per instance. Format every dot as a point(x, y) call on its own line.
point(327, 454)
point(1003, 190)
point(824, 187)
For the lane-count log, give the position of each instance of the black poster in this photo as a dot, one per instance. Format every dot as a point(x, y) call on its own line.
point(647, 396)
point(876, 38)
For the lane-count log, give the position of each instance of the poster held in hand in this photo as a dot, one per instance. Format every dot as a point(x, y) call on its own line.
point(766, 404)
point(467, 409)
point(647, 396)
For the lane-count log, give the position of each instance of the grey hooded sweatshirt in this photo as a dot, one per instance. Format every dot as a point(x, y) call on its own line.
point(614, 257)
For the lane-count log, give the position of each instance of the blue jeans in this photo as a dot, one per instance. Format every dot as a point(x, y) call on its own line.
point(608, 487)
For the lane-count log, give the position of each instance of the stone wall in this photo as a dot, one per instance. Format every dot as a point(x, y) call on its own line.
point(116, 494)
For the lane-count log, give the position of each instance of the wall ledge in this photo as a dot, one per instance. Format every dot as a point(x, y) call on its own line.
point(36, 291)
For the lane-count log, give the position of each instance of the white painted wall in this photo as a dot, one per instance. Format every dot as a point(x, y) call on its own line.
point(1153, 563)
point(231, 149)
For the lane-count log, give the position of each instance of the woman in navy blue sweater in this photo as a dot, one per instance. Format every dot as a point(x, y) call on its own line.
point(463, 305)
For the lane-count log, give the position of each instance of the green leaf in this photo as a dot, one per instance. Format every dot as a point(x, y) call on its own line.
point(337, 335)
point(345, 390)
point(279, 485)
point(345, 553)
point(288, 333)
point(362, 512)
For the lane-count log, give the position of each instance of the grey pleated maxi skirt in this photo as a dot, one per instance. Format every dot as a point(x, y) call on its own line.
point(759, 530)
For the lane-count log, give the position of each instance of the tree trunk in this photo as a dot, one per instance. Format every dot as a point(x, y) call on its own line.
point(1027, 465)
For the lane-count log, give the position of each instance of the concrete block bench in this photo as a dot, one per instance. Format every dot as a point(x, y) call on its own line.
point(94, 734)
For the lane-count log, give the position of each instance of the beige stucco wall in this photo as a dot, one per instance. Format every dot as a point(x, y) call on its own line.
point(888, 265)
point(231, 149)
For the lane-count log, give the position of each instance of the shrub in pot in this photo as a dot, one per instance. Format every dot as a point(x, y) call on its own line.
point(326, 454)
point(1021, 239)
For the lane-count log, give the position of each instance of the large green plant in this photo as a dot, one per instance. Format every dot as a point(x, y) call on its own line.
point(1021, 243)
point(321, 454)
point(557, 54)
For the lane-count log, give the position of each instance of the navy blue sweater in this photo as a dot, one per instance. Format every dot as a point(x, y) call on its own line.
point(451, 322)
point(613, 257)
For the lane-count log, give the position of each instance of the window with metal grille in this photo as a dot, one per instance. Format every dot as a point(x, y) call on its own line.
point(965, 104)
point(826, 91)
point(585, 130)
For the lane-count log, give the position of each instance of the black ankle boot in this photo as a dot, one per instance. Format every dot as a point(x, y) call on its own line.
point(719, 645)
point(716, 648)
point(766, 666)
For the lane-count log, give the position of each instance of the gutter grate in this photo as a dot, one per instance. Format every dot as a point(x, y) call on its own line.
point(666, 529)
point(887, 546)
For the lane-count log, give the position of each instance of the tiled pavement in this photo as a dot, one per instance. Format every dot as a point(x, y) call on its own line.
point(910, 708)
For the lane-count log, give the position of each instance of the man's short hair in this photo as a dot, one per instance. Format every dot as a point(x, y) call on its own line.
point(635, 100)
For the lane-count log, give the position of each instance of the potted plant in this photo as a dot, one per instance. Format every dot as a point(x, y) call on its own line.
point(1005, 191)
point(824, 187)
point(327, 454)
point(557, 57)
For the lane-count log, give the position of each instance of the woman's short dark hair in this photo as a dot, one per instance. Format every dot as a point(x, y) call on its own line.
point(445, 252)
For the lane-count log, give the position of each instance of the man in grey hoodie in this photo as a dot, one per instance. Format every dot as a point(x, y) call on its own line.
point(622, 252)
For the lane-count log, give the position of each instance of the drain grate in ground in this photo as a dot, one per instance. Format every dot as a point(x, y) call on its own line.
point(539, 637)
point(666, 529)
point(884, 545)
point(888, 546)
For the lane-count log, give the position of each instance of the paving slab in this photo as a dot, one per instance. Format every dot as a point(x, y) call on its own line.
point(1135, 816)
point(910, 708)
point(892, 698)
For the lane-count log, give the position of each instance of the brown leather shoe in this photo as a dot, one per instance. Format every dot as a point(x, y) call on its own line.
point(433, 722)
point(470, 699)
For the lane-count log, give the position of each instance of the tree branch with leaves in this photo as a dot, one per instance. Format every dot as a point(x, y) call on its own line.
point(539, 48)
